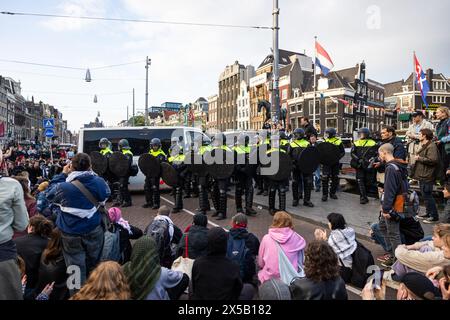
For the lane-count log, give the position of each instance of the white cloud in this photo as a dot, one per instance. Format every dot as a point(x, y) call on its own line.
point(75, 8)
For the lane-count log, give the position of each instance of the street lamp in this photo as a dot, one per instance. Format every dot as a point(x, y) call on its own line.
point(95, 98)
point(88, 76)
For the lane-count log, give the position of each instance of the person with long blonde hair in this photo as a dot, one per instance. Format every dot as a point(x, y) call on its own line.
point(106, 282)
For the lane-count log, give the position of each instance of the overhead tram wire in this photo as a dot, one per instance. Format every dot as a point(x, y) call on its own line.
point(74, 78)
point(137, 20)
point(78, 93)
point(67, 67)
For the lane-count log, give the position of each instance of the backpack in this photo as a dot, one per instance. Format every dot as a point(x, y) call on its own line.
point(159, 231)
point(362, 259)
point(411, 229)
point(111, 245)
point(408, 199)
point(238, 253)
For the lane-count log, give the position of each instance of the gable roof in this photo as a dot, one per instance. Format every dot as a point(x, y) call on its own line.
point(393, 87)
point(284, 58)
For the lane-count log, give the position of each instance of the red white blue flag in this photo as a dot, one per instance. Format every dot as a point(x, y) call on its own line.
point(323, 60)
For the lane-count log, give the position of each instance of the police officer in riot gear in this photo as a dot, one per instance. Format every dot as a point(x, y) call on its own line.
point(151, 186)
point(331, 172)
point(124, 198)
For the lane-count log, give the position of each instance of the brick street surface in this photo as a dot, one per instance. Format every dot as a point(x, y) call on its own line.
point(259, 224)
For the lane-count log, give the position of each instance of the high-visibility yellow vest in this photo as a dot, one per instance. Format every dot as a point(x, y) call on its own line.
point(299, 144)
point(105, 151)
point(335, 141)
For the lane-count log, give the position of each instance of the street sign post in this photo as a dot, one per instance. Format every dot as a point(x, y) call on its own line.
point(48, 123)
point(49, 133)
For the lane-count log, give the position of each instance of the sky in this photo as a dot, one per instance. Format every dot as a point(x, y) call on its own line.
point(186, 61)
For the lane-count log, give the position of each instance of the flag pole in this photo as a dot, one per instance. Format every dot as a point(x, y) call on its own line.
point(314, 85)
point(414, 82)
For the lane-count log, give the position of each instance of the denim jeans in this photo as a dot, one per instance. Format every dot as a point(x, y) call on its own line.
point(83, 251)
point(316, 176)
point(378, 237)
point(390, 229)
point(426, 188)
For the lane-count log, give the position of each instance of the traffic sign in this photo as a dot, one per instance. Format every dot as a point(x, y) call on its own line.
point(49, 123)
point(49, 133)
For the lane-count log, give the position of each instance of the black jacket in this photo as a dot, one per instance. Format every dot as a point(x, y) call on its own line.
point(252, 243)
point(399, 152)
point(310, 131)
point(53, 271)
point(30, 248)
point(214, 276)
point(393, 181)
point(197, 238)
point(306, 289)
point(125, 244)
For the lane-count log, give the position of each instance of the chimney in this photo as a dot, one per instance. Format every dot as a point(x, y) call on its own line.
point(430, 78)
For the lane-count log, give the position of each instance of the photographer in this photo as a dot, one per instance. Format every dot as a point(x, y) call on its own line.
point(412, 134)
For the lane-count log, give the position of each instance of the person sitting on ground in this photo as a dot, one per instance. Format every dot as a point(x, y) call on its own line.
point(166, 234)
point(343, 241)
point(274, 289)
point(30, 248)
point(195, 239)
point(422, 256)
point(440, 276)
point(245, 257)
point(147, 279)
point(281, 235)
point(52, 268)
point(322, 281)
point(106, 282)
point(214, 276)
point(127, 232)
point(446, 193)
point(413, 286)
point(30, 201)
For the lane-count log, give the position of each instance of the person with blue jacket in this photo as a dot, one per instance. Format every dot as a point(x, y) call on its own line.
point(78, 219)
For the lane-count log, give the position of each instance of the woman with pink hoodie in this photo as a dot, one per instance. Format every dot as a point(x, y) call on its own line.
point(281, 232)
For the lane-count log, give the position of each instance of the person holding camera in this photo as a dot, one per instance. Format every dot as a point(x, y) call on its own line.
point(412, 135)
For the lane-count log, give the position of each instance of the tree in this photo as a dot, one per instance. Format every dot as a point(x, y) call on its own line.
point(139, 121)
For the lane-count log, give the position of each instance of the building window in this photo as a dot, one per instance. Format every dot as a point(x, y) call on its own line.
point(406, 102)
point(311, 102)
point(331, 123)
point(438, 99)
point(284, 94)
point(293, 108)
point(330, 106)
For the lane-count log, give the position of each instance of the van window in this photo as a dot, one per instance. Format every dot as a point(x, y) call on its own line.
point(139, 139)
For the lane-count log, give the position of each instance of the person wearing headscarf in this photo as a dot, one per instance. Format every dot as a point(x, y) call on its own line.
point(127, 232)
point(147, 279)
point(194, 242)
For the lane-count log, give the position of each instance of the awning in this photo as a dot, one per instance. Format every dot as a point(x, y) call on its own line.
point(404, 117)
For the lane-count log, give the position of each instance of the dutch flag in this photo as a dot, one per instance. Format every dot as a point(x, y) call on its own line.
point(323, 60)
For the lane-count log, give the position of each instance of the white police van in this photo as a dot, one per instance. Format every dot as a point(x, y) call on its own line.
point(139, 139)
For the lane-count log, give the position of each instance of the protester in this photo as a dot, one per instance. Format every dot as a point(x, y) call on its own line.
point(412, 135)
point(13, 217)
point(395, 184)
point(422, 256)
point(274, 289)
point(147, 279)
point(127, 232)
point(443, 138)
point(79, 219)
point(30, 248)
point(195, 239)
point(440, 276)
point(166, 235)
point(343, 241)
point(214, 276)
point(322, 281)
point(52, 268)
point(30, 201)
point(446, 193)
point(106, 282)
point(425, 163)
point(243, 248)
point(282, 236)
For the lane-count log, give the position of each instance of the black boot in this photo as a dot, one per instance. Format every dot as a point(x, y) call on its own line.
point(307, 201)
point(295, 194)
point(222, 206)
point(215, 200)
point(334, 187)
point(282, 195)
point(187, 189)
point(325, 183)
point(238, 199)
point(156, 199)
point(272, 194)
point(178, 200)
point(362, 192)
point(249, 202)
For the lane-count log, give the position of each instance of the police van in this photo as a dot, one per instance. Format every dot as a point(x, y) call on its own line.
point(139, 139)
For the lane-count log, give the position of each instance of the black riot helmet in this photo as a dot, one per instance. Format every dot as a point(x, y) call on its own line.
point(123, 144)
point(155, 143)
point(104, 143)
point(364, 133)
point(330, 132)
point(283, 135)
point(299, 134)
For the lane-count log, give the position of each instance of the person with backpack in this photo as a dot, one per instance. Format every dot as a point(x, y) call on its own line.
point(393, 199)
point(194, 242)
point(79, 218)
point(281, 236)
point(166, 235)
point(126, 232)
point(214, 276)
point(343, 241)
point(243, 248)
point(322, 281)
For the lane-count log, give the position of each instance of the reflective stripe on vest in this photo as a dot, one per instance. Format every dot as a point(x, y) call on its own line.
point(365, 143)
point(335, 141)
point(105, 151)
point(126, 151)
point(299, 144)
